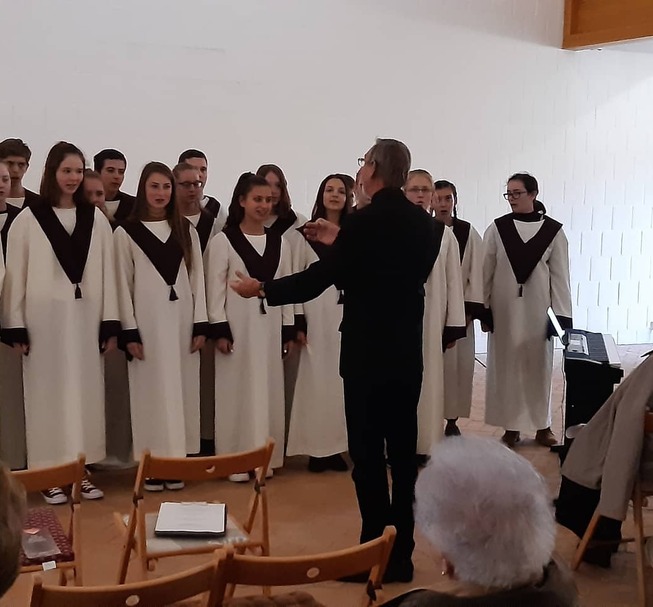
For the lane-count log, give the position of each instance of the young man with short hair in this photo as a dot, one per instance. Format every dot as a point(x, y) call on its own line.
point(111, 165)
point(16, 155)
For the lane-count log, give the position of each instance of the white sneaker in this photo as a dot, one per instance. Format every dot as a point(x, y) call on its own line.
point(269, 473)
point(54, 496)
point(240, 477)
point(174, 485)
point(90, 492)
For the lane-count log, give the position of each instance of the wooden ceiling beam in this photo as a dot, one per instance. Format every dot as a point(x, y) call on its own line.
point(591, 23)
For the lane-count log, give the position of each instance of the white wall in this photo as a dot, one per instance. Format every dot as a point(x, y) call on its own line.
point(476, 88)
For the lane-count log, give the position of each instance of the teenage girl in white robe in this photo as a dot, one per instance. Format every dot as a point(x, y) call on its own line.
point(60, 311)
point(250, 338)
point(317, 423)
point(525, 270)
point(444, 319)
point(163, 314)
point(284, 220)
point(459, 360)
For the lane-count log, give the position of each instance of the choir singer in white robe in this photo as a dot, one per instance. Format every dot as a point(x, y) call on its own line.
point(189, 187)
point(60, 310)
point(525, 270)
point(444, 318)
point(163, 314)
point(459, 360)
point(251, 339)
point(317, 423)
point(12, 414)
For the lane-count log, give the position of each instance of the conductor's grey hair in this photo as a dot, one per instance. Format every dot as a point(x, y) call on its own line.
point(487, 511)
point(391, 162)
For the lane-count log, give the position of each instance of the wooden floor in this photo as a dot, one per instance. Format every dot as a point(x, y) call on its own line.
point(317, 512)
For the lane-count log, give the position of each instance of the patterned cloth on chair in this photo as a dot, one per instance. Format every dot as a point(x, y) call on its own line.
point(46, 518)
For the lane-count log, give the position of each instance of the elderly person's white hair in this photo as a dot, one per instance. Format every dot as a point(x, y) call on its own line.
point(487, 511)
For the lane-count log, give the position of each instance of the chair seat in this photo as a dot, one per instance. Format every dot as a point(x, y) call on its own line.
point(162, 545)
point(291, 599)
point(46, 518)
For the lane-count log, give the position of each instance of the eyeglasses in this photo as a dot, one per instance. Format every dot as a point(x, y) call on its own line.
point(187, 185)
point(514, 194)
point(416, 190)
point(363, 161)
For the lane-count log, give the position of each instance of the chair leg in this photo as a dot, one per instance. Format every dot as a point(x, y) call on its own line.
point(585, 540)
point(639, 545)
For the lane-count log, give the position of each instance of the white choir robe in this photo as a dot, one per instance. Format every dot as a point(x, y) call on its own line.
point(207, 353)
point(459, 360)
point(249, 381)
point(223, 212)
point(164, 387)
point(63, 374)
point(444, 316)
point(317, 423)
point(520, 357)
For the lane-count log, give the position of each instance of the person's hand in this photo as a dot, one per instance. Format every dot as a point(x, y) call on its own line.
point(301, 339)
point(321, 231)
point(21, 349)
point(136, 350)
point(287, 349)
point(224, 345)
point(485, 328)
point(245, 286)
point(451, 345)
point(468, 319)
point(109, 345)
point(197, 343)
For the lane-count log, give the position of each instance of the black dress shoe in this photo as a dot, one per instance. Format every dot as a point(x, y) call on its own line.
point(399, 571)
point(337, 463)
point(451, 429)
point(317, 464)
point(355, 578)
point(422, 460)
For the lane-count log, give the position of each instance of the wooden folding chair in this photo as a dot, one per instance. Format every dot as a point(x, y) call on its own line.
point(641, 490)
point(138, 527)
point(152, 593)
point(249, 570)
point(69, 543)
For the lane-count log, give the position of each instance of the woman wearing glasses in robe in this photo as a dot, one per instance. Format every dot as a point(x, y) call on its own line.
point(525, 270)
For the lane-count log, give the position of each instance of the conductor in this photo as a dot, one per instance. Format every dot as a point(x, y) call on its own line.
point(381, 258)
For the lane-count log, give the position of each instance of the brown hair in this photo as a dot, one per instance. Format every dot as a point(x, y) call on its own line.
point(284, 206)
point(245, 184)
point(15, 147)
point(50, 190)
point(419, 173)
point(178, 224)
point(12, 511)
point(319, 210)
point(181, 167)
point(91, 174)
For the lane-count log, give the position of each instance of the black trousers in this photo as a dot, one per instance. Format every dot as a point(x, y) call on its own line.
point(382, 416)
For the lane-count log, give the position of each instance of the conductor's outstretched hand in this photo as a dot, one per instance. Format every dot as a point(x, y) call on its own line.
point(245, 286)
point(322, 231)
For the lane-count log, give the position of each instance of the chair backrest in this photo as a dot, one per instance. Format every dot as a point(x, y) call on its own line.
point(203, 468)
point(41, 479)
point(154, 593)
point(648, 422)
point(293, 571)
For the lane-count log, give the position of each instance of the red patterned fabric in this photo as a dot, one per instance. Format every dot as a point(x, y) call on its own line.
point(45, 518)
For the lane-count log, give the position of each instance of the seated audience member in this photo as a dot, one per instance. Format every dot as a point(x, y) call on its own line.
point(600, 467)
point(488, 513)
point(12, 509)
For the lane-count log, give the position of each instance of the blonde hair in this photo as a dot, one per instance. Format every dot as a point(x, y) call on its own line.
point(419, 173)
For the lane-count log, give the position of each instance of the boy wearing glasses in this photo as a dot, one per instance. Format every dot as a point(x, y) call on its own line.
point(525, 270)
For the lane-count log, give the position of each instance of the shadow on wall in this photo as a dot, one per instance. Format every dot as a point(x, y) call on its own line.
point(534, 21)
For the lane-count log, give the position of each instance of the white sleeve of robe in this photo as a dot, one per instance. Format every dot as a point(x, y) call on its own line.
point(15, 281)
point(109, 292)
point(196, 277)
point(455, 314)
point(125, 279)
point(216, 273)
point(489, 262)
point(221, 219)
point(559, 276)
point(473, 286)
point(285, 268)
